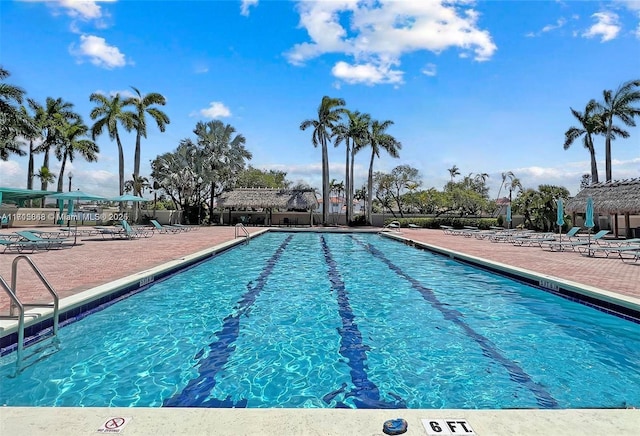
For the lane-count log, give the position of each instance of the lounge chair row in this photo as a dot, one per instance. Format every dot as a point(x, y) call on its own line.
point(588, 245)
point(126, 231)
point(32, 240)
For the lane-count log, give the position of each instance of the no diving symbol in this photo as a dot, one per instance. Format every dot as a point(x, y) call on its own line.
point(114, 423)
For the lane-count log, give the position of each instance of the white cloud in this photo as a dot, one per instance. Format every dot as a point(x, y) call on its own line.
point(369, 73)
point(246, 5)
point(429, 70)
point(381, 32)
point(99, 52)
point(216, 109)
point(607, 26)
point(549, 27)
point(633, 5)
point(10, 170)
point(85, 9)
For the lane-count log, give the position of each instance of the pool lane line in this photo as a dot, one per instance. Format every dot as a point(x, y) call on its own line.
point(543, 398)
point(366, 394)
point(197, 390)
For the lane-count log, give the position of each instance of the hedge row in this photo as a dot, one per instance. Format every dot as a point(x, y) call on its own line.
point(435, 223)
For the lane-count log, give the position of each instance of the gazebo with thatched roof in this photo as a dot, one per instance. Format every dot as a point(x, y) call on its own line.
point(618, 197)
point(269, 199)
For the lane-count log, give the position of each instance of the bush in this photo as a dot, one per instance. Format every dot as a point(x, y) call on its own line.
point(360, 220)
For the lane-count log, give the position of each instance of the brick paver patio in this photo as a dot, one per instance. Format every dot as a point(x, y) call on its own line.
point(95, 261)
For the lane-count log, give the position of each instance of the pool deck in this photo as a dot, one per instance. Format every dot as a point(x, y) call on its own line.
point(95, 261)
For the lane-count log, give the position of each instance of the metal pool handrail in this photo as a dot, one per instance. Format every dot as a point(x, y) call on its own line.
point(45, 282)
point(244, 229)
point(15, 302)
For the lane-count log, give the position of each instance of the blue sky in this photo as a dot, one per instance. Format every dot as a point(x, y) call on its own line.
point(486, 86)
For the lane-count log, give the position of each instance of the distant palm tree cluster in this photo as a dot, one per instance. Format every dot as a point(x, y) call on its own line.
point(598, 118)
point(358, 131)
point(55, 126)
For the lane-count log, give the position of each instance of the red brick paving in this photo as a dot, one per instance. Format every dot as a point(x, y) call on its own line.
point(95, 261)
point(609, 274)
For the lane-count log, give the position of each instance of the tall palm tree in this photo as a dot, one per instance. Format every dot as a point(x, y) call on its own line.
point(590, 123)
point(353, 132)
point(618, 104)
point(50, 120)
point(453, 172)
point(142, 106)
point(12, 124)
point(329, 113)
point(74, 140)
point(360, 141)
point(31, 134)
point(108, 113)
point(379, 140)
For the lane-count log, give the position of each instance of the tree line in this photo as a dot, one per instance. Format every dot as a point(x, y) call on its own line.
point(54, 125)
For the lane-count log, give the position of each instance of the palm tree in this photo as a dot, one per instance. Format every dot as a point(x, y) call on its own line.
point(329, 113)
point(50, 120)
point(142, 105)
point(378, 139)
point(590, 124)
point(453, 172)
point(618, 104)
point(353, 133)
point(31, 135)
point(12, 124)
point(137, 184)
point(9, 95)
point(45, 175)
point(72, 141)
point(109, 113)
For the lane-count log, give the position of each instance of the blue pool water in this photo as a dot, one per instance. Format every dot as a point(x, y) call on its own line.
point(337, 320)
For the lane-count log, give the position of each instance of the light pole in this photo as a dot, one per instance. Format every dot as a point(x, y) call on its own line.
point(156, 186)
point(510, 206)
point(199, 199)
point(70, 200)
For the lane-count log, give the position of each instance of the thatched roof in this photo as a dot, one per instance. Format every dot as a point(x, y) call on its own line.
point(284, 199)
point(615, 197)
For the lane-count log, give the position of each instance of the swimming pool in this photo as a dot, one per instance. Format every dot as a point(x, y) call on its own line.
point(337, 320)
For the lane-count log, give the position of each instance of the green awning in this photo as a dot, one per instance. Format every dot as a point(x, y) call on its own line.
point(19, 196)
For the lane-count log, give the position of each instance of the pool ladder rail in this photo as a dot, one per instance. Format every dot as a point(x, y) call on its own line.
point(241, 230)
point(17, 307)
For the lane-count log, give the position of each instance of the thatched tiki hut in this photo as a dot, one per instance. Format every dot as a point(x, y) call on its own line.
point(268, 199)
point(618, 197)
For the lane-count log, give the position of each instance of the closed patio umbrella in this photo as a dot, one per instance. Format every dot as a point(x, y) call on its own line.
point(560, 220)
point(588, 221)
